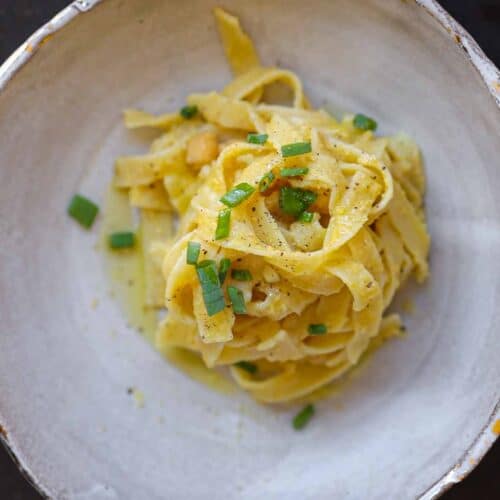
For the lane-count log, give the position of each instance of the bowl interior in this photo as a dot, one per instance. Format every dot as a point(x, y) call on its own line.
point(401, 422)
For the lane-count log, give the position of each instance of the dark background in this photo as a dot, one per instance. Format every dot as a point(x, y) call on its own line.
point(19, 18)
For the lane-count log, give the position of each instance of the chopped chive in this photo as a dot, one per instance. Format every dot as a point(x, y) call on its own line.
point(223, 223)
point(193, 252)
point(241, 275)
point(306, 217)
point(188, 112)
point(213, 297)
point(205, 263)
point(296, 148)
point(257, 138)
point(294, 172)
point(224, 266)
point(124, 239)
point(309, 197)
point(237, 195)
point(317, 329)
point(363, 122)
point(290, 201)
point(237, 299)
point(302, 418)
point(266, 181)
point(247, 366)
point(83, 210)
point(293, 201)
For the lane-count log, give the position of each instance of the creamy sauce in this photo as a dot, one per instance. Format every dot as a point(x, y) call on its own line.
point(125, 271)
point(408, 306)
point(193, 366)
point(125, 268)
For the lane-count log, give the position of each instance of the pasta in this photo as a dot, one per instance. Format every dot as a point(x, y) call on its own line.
point(275, 236)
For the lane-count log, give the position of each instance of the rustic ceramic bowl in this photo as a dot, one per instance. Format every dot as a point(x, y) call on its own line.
point(419, 415)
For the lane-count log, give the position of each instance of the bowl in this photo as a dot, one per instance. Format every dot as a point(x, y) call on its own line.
point(413, 421)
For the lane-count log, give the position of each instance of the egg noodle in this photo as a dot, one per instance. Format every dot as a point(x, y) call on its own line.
point(286, 279)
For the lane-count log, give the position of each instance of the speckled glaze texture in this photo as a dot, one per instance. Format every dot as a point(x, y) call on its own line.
point(413, 422)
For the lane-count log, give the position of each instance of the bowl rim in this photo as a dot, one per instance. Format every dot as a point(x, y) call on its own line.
point(490, 76)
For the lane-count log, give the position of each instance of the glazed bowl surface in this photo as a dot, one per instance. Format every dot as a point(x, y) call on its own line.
point(414, 420)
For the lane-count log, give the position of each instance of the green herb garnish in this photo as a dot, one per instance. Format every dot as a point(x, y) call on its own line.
point(223, 224)
point(266, 181)
point(237, 299)
point(83, 210)
point(241, 275)
point(363, 122)
point(189, 112)
point(317, 329)
point(124, 239)
point(224, 266)
point(247, 366)
point(309, 197)
point(294, 171)
point(237, 195)
point(213, 296)
point(296, 148)
point(193, 252)
point(257, 138)
point(306, 217)
point(302, 418)
point(294, 201)
point(205, 263)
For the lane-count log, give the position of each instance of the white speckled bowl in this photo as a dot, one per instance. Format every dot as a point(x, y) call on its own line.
point(417, 417)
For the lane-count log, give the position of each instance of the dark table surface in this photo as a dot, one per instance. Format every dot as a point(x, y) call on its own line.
point(19, 18)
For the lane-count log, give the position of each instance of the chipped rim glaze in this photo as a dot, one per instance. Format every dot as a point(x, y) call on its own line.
point(489, 74)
